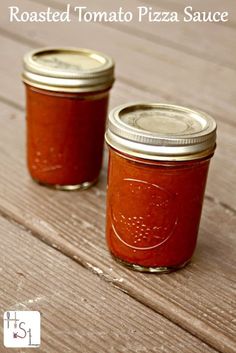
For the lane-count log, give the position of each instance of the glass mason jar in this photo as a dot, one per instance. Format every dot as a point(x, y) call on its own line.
point(67, 92)
point(159, 156)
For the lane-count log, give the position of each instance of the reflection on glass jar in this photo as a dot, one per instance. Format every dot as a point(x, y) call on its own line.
point(156, 188)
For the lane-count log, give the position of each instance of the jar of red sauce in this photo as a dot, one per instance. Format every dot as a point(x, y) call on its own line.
point(159, 156)
point(67, 92)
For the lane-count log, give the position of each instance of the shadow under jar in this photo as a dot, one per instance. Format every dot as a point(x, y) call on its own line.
point(67, 93)
point(159, 156)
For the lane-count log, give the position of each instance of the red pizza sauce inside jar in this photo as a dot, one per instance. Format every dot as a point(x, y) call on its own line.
point(67, 93)
point(159, 156)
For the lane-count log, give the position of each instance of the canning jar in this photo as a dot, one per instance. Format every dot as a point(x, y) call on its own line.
point(159, 156)
point(67, 92)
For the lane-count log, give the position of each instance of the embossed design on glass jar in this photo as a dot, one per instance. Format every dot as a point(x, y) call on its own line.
point(151, 228)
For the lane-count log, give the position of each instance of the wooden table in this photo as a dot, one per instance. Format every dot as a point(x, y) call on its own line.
point(53, 253)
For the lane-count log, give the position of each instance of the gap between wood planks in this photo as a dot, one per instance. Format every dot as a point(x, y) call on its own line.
point(12, 104)
point(150, 37)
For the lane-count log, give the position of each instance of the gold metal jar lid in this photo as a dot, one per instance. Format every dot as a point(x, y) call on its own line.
point(68, 70)
point(161, 132)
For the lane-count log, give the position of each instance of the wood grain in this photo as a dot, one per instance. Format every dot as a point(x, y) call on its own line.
point(199, 298)
point(163, 71)
point(79, 311)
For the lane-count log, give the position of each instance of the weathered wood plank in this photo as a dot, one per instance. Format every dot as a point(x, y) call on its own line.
point(211, 41)
point(79, 309)
point(163, 71)
point(199, 298)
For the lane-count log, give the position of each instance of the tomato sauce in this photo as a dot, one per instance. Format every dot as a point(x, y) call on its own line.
point(154, 210)
point(65, 136)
